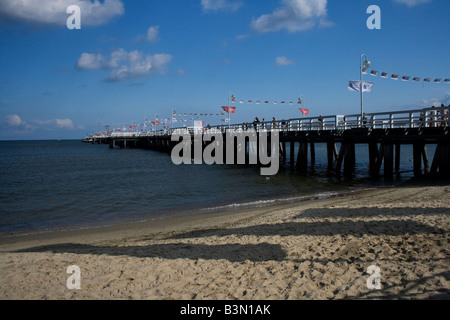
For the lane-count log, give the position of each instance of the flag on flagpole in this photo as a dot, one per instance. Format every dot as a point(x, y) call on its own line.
point(356, 86)
point(229, 109)
point(305, 112)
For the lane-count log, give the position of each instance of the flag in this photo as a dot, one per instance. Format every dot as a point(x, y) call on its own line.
point(291, 103)
point(299, 100)
point(394, 77)
point(156, 123)
point(405, 78)
point(356, 86)
point(266, 102)
point(258, 102)
point(229, 109)
point(447, 80)
point(384, 74)
point(282, 102)
point(305, 112)
point(427, 80)
point(250, 101)
point(242, 101)
point(416, 79)
point(233, 99)
point(274, 102)
point(374, 73)
point(437, 80)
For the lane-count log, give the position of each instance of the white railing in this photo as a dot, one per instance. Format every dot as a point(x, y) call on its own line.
point(419, 118)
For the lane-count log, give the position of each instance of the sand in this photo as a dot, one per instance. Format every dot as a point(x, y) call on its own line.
point(310, 250)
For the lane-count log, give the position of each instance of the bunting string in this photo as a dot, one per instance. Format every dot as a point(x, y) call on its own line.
point(267, 102)
point(396, 76)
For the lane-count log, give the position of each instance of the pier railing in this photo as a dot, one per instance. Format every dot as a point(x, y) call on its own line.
point(418, 118)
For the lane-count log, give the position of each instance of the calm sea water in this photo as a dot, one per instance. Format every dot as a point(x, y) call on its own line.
point(63, 185)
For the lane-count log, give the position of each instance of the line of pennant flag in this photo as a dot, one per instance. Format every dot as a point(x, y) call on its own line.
point(396, 76)
point(282, 102)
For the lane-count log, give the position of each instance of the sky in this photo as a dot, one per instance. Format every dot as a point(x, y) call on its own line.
point(136, 60)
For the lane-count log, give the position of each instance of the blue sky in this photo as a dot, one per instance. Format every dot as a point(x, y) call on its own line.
point(133, 60)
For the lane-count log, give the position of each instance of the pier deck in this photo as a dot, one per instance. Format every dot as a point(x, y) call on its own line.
point(383, 133)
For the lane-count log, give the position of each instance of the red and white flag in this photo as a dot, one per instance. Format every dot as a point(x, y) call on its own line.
point(229, 109)
point(305, 112)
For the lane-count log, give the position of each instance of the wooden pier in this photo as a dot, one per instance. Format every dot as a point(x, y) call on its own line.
point(384, 135)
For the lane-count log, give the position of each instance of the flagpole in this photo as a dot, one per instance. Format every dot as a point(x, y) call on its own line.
point(366, 65)
point(229, 93)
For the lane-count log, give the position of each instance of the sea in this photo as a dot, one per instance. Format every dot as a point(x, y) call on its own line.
point(63, 185)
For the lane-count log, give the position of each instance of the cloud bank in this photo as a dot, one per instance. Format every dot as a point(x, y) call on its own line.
point(294, 16)
point(14, 121)
point(54, 12)
point(125, 65)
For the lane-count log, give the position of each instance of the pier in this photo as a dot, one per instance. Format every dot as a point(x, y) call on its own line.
point(384, 135)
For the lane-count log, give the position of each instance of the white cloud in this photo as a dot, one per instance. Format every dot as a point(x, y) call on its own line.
point(13, 120)
point(412, 3)
point(294, 16)
point(216, 5)
point(54, 12)
point(90, 61)
point(283, 61)
point(64, 123)
point(53, 123)
point(436, 102)
point(152, 35)
point(125, 65)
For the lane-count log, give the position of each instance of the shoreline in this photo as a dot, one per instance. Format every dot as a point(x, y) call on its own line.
point(203, 212)
point(313, 250)
point(230, 212)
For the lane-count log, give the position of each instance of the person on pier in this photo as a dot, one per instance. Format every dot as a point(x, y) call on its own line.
point(256, 123)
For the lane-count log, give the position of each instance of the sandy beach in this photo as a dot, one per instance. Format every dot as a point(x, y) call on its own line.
point(315, 249)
